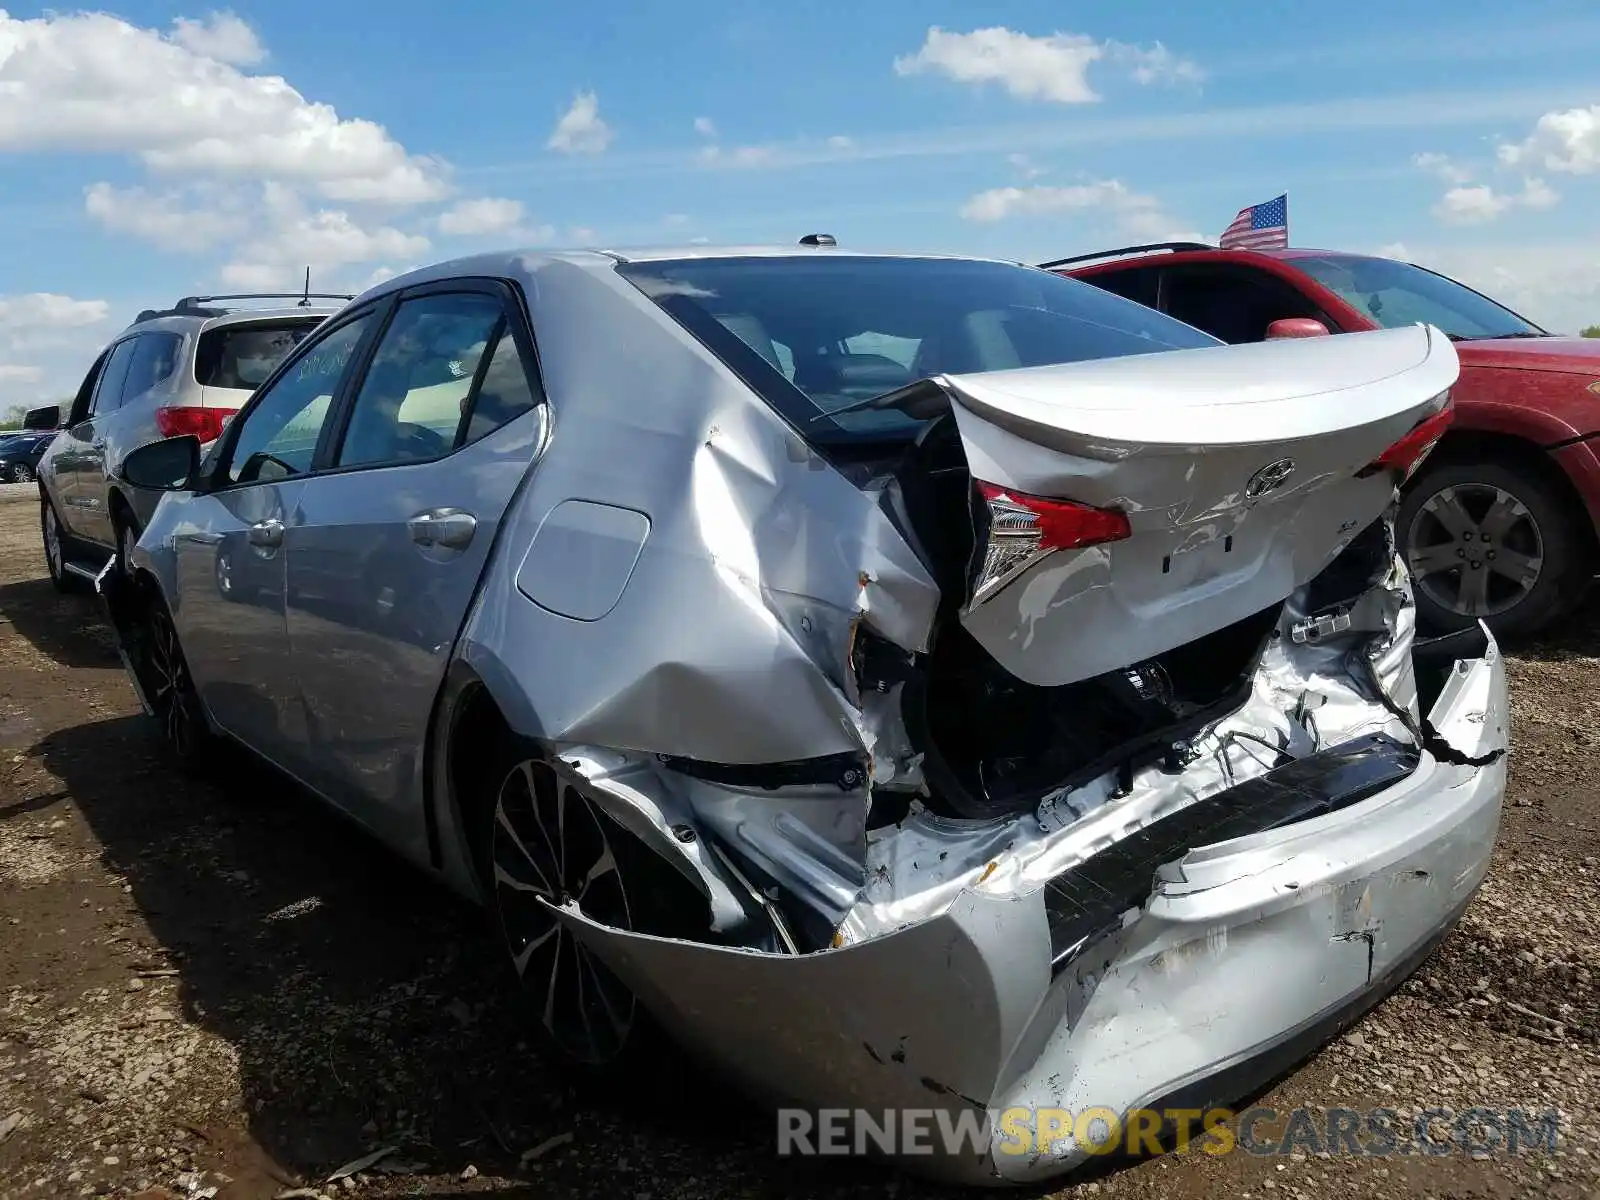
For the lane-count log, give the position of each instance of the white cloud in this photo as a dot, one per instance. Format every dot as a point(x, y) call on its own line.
point(486, 215)
point(89, 82)
point(221, 36)
point(738, 156)
point(1054, 67)
point(840, 142)
point(1132, 212)
point(46, 310)
point(1567, 141)
point(291, 237)
point(1154, 64)
point(1442, 166)
point(582, 235)
point(173, 220)
point(46, 343)
point(581, 129)
point(1477, 204)
point(705, 127)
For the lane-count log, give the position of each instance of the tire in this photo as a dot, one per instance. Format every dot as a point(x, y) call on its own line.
point(57, 548)
point(598, 1033)
point(22, 473)
point(1490, 540)
point(186, 738)
point(127, 539)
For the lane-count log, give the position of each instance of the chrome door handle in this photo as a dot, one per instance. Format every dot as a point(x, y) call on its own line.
point(266, 534)
point(443, 527)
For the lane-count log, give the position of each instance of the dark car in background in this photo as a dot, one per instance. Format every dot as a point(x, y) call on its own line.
point(1502, 522)
point(20, 454)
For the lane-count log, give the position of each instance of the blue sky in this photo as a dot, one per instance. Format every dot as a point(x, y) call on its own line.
point(154, 149)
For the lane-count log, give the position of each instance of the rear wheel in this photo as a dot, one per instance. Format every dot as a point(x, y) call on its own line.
point(1490, 541)
point(548, 843)
point(56, 544)
point(22, 473)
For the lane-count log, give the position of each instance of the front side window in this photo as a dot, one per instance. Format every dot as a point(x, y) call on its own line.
point(155, 358)
point(414, 396)
point(241, 356)
point(813, 335)
point(1236, 304)
point(278, 436)
point(1395, 294)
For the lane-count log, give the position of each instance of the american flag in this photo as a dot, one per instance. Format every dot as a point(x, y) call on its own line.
point(1259, 227)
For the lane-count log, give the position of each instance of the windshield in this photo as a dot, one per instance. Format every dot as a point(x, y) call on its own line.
point(815, 334)
point(1395, 294)
point(242, 356)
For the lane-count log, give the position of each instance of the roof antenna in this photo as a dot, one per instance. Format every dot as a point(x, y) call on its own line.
point(306, 302)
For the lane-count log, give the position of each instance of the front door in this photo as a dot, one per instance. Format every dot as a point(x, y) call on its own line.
point(229, 606)
point(392, 534)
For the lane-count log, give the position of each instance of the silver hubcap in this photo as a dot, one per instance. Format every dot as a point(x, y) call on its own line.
point(1475, 550)
point(22, 474)
point(550, 844)
point(172, 687)
point(52, 542)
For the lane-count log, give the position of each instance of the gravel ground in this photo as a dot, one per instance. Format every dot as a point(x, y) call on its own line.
point(221, 986)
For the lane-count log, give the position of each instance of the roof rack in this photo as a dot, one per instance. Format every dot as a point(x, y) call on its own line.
point(1172, 246)
point(188, 303)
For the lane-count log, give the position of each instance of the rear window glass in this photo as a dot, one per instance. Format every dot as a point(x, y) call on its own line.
point(817, 334)
point(242, 356)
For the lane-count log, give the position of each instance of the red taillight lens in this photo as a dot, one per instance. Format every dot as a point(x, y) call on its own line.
point(1052, 524)
point(1405, 455)
point(1023, 529)
point(204, 423)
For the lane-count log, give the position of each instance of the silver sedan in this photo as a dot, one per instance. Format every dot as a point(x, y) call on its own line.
point(915, 683)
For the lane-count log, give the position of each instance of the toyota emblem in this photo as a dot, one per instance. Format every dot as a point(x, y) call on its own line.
point(1269, 479)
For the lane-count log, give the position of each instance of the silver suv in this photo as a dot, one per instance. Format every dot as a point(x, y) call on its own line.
point(181, 370)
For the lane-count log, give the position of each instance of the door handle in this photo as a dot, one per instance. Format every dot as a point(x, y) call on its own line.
point(443, 527)
point(266, 534)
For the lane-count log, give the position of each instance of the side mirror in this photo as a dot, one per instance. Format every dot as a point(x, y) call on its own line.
point(48, 417)
point(1296, 327)
point(169, 465)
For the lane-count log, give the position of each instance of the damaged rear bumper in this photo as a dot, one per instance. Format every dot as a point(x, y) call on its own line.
point(1245, 954)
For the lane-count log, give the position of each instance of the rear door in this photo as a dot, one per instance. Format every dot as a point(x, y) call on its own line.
point(390, 536)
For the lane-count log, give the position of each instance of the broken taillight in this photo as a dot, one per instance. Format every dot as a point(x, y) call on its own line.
point(1023, 529)
point(1406, 455)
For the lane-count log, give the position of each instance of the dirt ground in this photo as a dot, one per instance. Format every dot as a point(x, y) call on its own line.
point(221, 990)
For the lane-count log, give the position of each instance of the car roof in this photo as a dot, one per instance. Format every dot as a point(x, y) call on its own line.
point(182, 322)
point(1123, 259)
point(512, 263)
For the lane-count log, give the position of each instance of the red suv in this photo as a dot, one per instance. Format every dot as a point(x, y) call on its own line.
point(1502, 522)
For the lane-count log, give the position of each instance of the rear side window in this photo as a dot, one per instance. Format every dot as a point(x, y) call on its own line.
point(814, 335)
point(242, 356)
point(155, 358)
point(108, 391)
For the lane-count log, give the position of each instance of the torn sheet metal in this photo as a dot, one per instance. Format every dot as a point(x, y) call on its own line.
point(1173, 992)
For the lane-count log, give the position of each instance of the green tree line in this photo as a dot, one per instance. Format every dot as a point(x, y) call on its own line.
point(1592, 331)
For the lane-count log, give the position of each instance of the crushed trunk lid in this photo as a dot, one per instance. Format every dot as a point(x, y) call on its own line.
point(1131, 505)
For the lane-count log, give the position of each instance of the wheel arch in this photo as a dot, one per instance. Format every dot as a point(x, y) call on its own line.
point(1480, 445)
